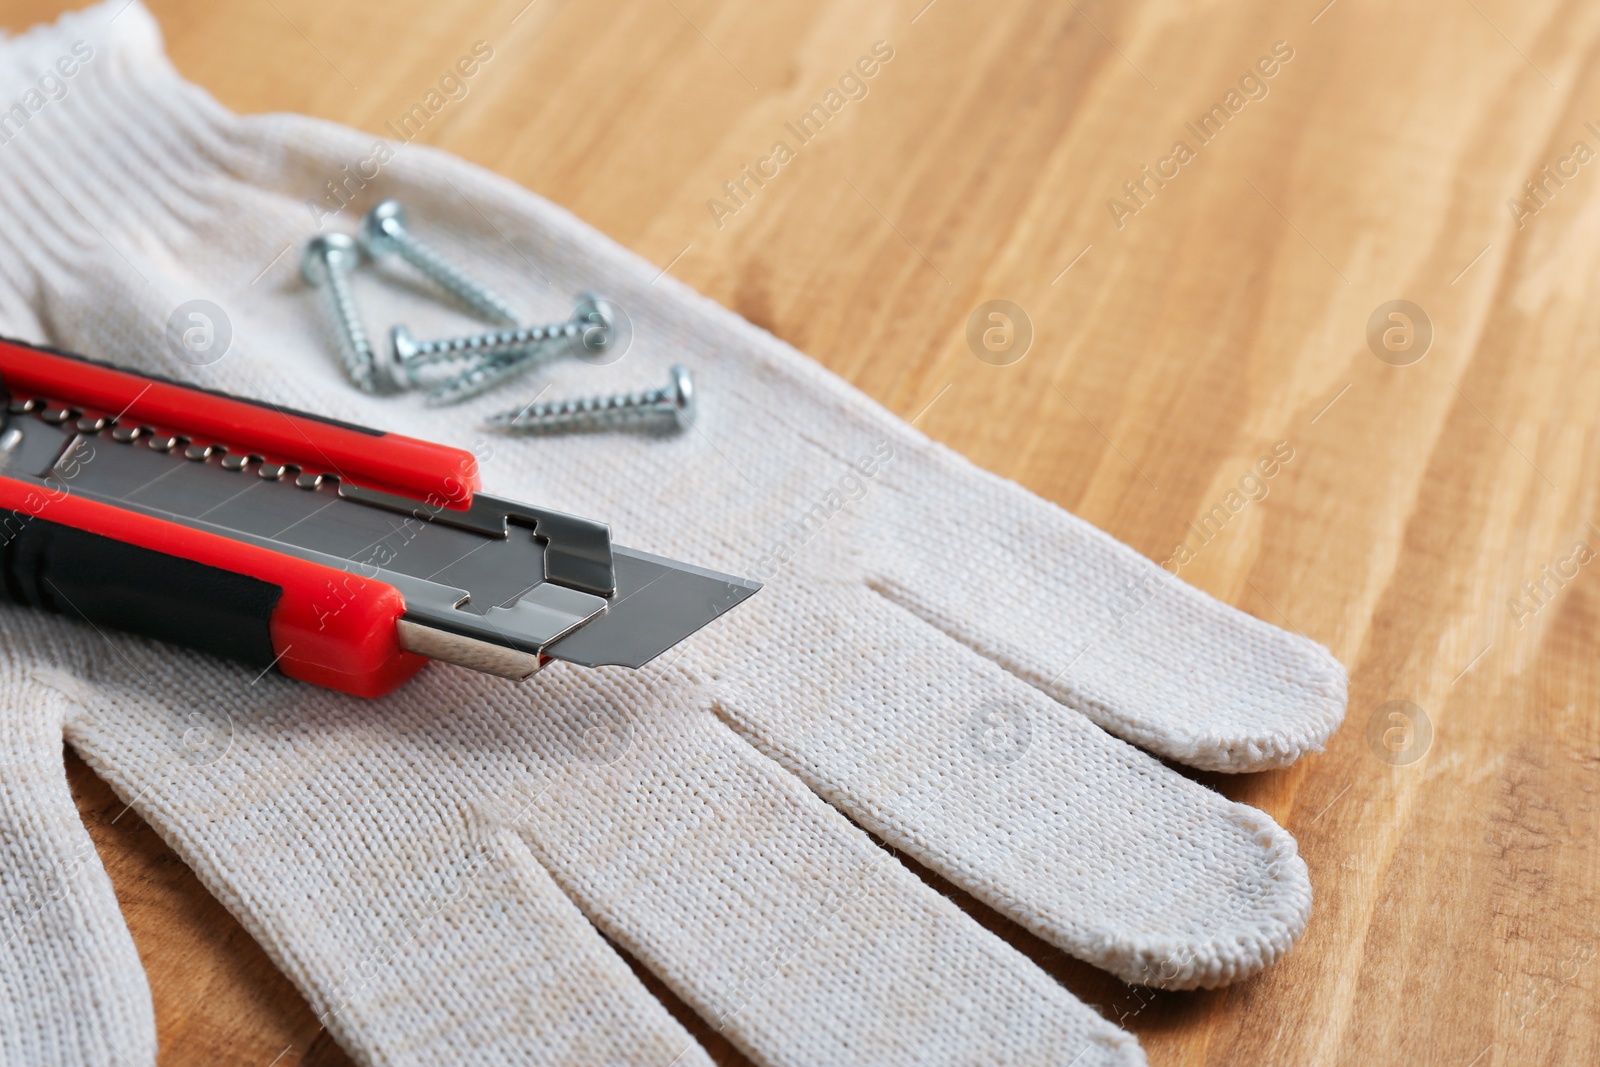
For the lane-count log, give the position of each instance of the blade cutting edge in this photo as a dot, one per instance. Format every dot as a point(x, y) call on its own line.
point(659, 602)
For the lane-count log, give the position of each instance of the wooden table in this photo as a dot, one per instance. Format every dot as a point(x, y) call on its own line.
point(1183, 323)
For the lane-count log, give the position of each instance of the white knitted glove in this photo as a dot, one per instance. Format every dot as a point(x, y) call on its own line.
point(937, 654)
point(71, 988)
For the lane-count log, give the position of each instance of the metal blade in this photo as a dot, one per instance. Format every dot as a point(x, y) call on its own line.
point(659, 602)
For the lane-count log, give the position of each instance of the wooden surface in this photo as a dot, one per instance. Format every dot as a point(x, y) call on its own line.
point(1456, 909)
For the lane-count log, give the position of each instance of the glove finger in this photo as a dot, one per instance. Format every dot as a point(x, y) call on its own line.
point(1020, 800)
point(418, 929)
point(783, 925)
point(72, 989)
point(1099, 627)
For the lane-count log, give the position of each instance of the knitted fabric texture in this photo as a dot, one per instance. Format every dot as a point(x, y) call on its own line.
point(937, 656)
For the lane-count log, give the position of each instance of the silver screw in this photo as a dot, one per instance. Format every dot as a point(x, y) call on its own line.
point(481, 377)
point(326, 263)
point(384, 233)
point(675, 400)
point(590, 324)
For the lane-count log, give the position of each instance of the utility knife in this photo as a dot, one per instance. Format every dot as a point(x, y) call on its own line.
point(339, 555)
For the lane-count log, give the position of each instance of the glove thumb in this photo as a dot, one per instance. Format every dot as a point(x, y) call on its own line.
point(72, 990)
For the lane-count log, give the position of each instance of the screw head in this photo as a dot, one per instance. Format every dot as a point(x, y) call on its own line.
point(380, 227)
point(598, 318)
point(682, 397)
point(402, 350)
point(402, 343)
point(606, 331)
point(328, 252)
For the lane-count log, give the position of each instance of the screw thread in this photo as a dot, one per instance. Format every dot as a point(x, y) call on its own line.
point(559, 414)
point(355, 349)
point(495, 343)
point(474, 294)
point(488, 372)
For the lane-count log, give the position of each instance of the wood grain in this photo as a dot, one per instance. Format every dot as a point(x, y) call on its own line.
point(1173, 345)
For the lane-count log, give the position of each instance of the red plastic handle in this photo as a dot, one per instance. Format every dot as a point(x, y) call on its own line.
point(371, 458)
point(329, 627)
